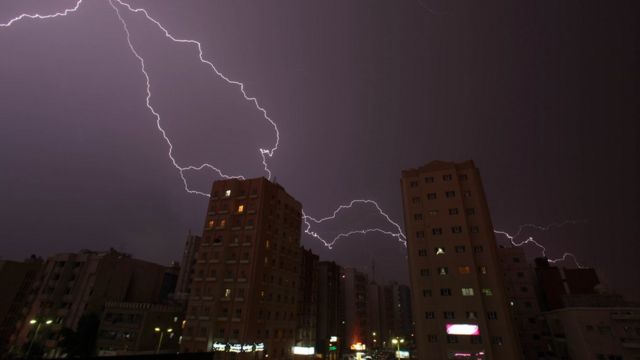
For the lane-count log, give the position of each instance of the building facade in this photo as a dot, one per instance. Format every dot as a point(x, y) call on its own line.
point(354, 285)
point(73, 285)
point(306, 332)
point(187, 265)
point(459, 300)
point(330, 323)
point(244, 292)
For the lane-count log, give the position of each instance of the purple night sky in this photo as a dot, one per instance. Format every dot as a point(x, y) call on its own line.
point(542, 95)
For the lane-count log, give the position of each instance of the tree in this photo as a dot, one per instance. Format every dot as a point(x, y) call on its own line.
point(82, 342)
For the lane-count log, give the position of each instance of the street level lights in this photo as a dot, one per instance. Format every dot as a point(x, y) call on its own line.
point(397, 341)
point(35, 335)
point(158, 330)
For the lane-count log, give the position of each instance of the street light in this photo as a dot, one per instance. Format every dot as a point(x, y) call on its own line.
point(397, 342)
point(35, 335)
point(158, 330)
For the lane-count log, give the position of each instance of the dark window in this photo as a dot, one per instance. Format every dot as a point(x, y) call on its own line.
point(452, 339)
point(413, 184)
point(430, 315)
point(449, 315)
point(436, 231)
point(453, 211)
point(471, 211)
point(445, 292)
point(492, 315)
point(429, 179)
point(447, 177)
point(460, 248)
point(431, 196)
point(463, 177)
point(456, 229)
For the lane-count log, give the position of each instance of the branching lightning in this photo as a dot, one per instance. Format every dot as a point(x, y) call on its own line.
point(398, 234)
point(65, 12)
point(265, 153)
point(531, 240)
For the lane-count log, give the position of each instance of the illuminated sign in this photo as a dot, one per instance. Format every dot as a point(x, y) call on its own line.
point(402, 354)
point(358, 346)
point(333, 348)
point(303, 350)
point(333, 339)
point(463, 329)
point(237, 348)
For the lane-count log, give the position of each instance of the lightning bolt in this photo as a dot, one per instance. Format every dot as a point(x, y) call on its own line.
point(264, 153)
point(398, 234)
point(531, 240)
point(65, 12)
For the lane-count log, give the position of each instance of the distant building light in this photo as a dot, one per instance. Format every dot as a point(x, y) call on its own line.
point(227, 193)
point(333, 339)
point(358, 346)
point(402, 354)
point(463, 329)
point(303, 350)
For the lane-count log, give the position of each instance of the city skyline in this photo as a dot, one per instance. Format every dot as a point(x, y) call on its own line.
point(344, 134)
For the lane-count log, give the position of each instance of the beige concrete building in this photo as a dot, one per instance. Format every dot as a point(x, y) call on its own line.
point(75, 284)
point(459, 302)
point(139, 328)
point(597, 333)
point(244, 292)
point(521, 290)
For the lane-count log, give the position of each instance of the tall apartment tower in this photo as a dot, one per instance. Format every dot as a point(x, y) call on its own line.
point(243, 299)
point(459, 303)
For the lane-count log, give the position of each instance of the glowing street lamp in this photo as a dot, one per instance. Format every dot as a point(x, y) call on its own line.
point(159, 330)
point(35, 335)
point(397, 341)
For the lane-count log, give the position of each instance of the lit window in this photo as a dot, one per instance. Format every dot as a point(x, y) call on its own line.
point(227, 293)
point(439, 251)
point(227, 193)
point(472, 315)
point(467, 291)
point(487, 292)
point(211, 223)
point(223, 222)
point(267, 244)
point(464, 270)
point(443, 270)
point(240, 209)
point(482, 269)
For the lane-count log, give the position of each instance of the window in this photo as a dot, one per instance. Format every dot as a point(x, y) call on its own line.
point(227, 293)
point(449, 315)
point(476, 339)
point(436, 231)
point(450, 194)
point(432, 338)
point(439, 251)
point(460, 249)
point(424, 272)
point(431, 196)
point(430, 315)
point(478, 249)
point(475, 229)
point(227, 193)
point(463, 177)
point(487, 292)
point(415, 200)
point(467, 291)
point(211, 223)
point(452, 339)
point(422, 252)
point(471, 211)
point(482, 270)
point(433, 212)
point(453, 211)
point(492, 315)
point(426, 293)
point(456, 229)
point(417, 217)
point(447, 177)
point(496, 340)
point(445, 292)
point(413, 184)
point(240, 209)
point(223, 222)
point(443, 270)
point(472, 315)
point(420, 234)
point(429, 179)
point(463, 270)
